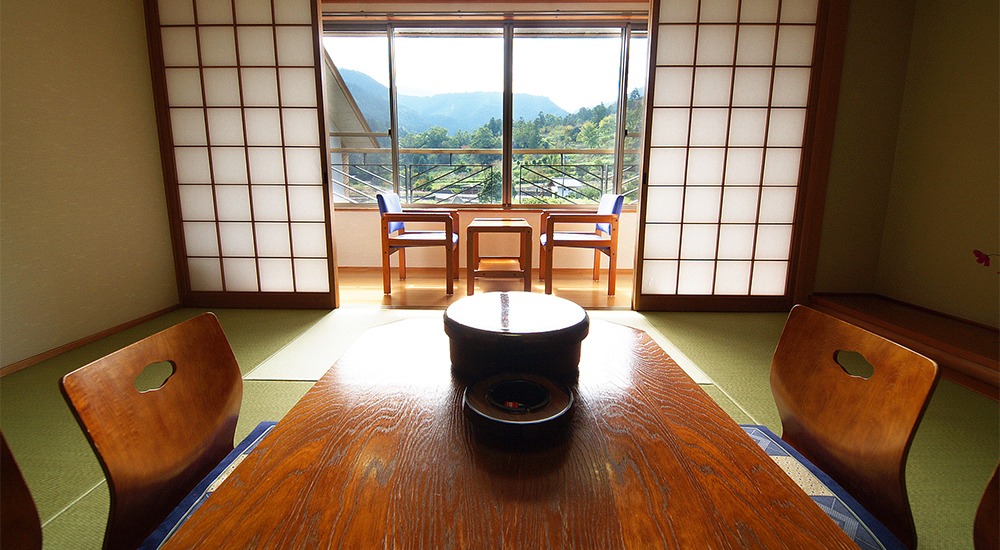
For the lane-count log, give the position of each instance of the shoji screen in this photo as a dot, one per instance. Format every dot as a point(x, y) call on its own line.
point(238, 90)
point(727, 113)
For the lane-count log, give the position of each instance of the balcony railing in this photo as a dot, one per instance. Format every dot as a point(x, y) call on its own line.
point(451, 176)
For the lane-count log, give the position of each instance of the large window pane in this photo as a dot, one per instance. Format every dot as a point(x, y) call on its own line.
point(566, 89)
point(449, 86)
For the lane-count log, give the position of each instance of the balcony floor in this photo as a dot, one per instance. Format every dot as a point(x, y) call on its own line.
point(425, 288)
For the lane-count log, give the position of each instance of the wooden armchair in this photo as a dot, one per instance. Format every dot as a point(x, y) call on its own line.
point(156, 445)
point(395, 237)
point(20, 526)
point(604, 238)
point(857, 430)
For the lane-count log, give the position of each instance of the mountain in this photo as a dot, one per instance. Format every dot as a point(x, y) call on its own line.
point(453, 111)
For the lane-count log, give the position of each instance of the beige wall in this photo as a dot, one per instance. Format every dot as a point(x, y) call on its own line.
point(914, 178)
point(84, 242)
point(943, 201)
point(359, 242)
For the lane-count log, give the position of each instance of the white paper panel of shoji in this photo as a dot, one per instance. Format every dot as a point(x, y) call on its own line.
point(755, 45)
point(192, 165)
point(269, 203)
point(664, 204)
point(218, 46)
point(711, 86)
point(176, 12)
point(791, 87)
point(732, 278)
point(241, 274)
point(662, 241)
point(300, 127)
point(702, 204)
point(695, 277)
point(670, 127)
point(659, 276)
point(233, 202)
point(292, 12)
point(679, 11)
point(249, 12)
point(706, 166)
point(267, 165)
point(263, 127)
point(709, 128)
point(769, 278)
point(215, 12)
point(305, 203)
point(698, 242)
point(237, 239)
point(739, 205)
point(188, 126)
point(311, 275)
point(229, 164)
point(719, 11)
point(781, 166)
point(276, 275)
point(676, 45)
point(184, 87)
point(799, 11)
point(222, 87)
point(309, 240)
point(303, 165)
point(743, 166)
point(773, 242)
point(673, 87)
point(256, 45)
point(225, 126)
point(298, 87)
point(273, 240)
point(759, 11)
point(777, 205)
point(736, 241)
point(197, 202)
point(786, 127)
point(180, 46)
point(205, 274)
point(667, 166)
point(260, 87)
point(751, 86)
point(295, 46)
point(201, 239)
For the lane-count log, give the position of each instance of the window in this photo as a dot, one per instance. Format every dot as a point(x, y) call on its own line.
point(423, 111)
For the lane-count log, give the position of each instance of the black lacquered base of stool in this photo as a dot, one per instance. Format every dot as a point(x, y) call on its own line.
point(517, 406)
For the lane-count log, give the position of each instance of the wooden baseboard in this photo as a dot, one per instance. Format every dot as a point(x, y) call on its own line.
point(966, 351)
point(14, 367)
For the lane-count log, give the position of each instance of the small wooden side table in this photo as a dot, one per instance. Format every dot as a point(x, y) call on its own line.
point(498, 266)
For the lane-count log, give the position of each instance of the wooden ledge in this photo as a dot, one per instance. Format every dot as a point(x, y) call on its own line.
point(967, 352)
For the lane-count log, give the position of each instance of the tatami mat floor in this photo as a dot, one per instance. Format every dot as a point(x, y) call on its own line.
point(281, 352)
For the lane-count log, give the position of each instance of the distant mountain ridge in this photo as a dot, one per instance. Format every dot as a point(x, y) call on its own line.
point(453, 111)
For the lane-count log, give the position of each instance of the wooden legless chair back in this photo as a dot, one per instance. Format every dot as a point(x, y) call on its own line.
point(155, 446)
point(986, 529)
point(20, 526)
point(857, 430)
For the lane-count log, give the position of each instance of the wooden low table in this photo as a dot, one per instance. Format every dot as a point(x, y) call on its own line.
point(379, 454)
point(498, 266)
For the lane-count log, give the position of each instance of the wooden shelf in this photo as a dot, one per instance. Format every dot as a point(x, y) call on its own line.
point(967, 352)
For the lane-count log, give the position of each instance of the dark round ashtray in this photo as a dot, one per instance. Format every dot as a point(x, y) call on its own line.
point(517, 405)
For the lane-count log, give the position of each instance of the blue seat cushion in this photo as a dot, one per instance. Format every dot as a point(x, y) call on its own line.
point(866, 531)
point(205, 488)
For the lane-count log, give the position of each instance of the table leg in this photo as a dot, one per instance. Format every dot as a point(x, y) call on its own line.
point(472, 258)
point(526, 258)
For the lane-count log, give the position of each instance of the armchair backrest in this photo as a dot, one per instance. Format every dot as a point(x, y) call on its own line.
point(389, 203)
point(610, 204)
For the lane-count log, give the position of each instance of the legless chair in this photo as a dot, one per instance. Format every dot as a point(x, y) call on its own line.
point(19, 524)
point(395, 237)
point(604, 238)
point(155, 446)
point(856, 430)
point(986, 529)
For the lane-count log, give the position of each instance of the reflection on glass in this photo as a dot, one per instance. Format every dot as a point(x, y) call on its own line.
point(357, 95)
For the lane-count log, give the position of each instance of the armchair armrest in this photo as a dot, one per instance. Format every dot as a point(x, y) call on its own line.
point(550, 219)
point(448, 218)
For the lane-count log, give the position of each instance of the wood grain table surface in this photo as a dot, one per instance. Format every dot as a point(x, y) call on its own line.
point(379, 454)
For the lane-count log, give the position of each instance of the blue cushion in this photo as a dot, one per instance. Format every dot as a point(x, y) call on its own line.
point(204, 488)
point(866, 531)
